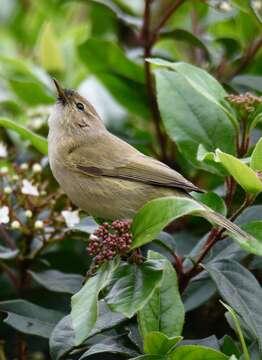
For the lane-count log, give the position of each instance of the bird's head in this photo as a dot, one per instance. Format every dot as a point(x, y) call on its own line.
point(73, 113)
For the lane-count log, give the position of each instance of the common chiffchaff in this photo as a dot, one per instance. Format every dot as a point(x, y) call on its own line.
point(102, 174)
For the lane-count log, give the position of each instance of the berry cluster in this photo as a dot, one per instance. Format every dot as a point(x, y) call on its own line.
point(109, 241)
point(247, 101)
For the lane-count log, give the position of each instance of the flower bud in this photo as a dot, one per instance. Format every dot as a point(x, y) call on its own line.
point(39, 224)
point(15, 225)
point(24, 166)
point(28, 214)
point(4, 170)
point(37, 168)
point(7, 190)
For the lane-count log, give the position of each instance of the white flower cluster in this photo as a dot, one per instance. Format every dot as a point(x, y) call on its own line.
point(3, 150)
point(4, 215)
point(29, 189)
point(71, 218)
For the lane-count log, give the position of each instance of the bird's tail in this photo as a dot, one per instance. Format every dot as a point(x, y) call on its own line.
point(220, 220)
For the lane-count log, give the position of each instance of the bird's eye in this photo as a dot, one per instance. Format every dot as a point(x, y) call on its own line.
point(80, 106)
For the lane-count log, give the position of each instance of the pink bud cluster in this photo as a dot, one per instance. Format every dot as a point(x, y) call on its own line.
point(110, 240)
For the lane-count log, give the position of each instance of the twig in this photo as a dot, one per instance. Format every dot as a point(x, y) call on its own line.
point(8, 239)
point(10, 274)
point(169, 12)
point(149, 78)
point(247, 58)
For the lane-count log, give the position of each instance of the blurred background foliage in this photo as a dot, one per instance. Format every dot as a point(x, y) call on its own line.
point(98, 47)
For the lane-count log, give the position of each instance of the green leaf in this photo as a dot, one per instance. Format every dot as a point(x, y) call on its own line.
point(244, 175)
point(57, 281)
point(109, 59)
point(132, 286)
point(29, 83)
point(212, 200)
point(7, 254)
point(37, 141)
point(151, 357)
point(235, 284)
point(164, 312)
point(206, 123)
point(205, 84)
point(49, 53)
point(31, 92)
point(248, 7)
point(128, 93)
point(238, 328)
point(197, 293)
point(256, 11)
point(196, 352)
point(85, 302)
point(247, 83)
point(229, 347)
point(256, 158)
point(114, 345)
point(157, 343)
point(254, 245)
point(62, 339)
point(29, 318)
point(243, 5)
point(157, 214)
point(186, 36)
point(121, 76)
point(209, 162)
point(121, 11)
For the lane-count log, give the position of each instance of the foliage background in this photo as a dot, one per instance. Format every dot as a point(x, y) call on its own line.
point(99, 48)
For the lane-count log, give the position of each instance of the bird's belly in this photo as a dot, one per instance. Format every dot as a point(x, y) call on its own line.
point(109, 198)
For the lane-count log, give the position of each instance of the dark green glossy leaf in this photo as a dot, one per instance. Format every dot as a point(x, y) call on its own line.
point(54, 280)
point(235, 284)
point(132, 286)
point(29, 318)
point(178, 100)
point(229, 347)
point(114, 345)
point(62, 339)
point(85, 302)
point(6, 253)
point(164, 312)
point(197, 293)
point(247, 83)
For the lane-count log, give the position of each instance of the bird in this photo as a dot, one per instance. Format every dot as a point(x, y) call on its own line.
point(101, 173)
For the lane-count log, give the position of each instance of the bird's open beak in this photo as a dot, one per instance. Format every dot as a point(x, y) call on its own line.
point(61, 95)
